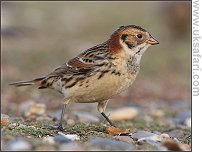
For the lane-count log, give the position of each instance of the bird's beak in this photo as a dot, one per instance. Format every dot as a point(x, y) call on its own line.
point(152, 41)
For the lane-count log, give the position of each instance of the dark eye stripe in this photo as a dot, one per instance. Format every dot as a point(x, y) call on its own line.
point(130, 45)
point(124, 37)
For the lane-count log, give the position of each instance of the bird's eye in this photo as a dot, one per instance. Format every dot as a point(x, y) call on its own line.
point(139, 36)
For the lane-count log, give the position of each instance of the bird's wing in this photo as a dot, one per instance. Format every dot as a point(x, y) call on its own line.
point(95, 59)
point(82, 64)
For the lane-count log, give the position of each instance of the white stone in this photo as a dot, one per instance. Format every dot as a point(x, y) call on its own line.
point(70, 136)
point(19, 145)
point(188, 122)
point(126, 113)
point(4, 120)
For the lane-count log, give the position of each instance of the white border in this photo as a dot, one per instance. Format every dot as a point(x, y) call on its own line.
point(197, 100)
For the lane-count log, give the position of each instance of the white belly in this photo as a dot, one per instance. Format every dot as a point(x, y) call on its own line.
point(97, 90)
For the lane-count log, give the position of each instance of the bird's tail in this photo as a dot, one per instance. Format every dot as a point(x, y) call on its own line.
point(30, 82)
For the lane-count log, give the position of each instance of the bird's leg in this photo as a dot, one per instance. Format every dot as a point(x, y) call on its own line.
point(61, 117)
point(101, 109)
point(65, 103)
point(104, 115)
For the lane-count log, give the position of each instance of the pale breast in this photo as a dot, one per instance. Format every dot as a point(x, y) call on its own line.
point(102, 86)
point(97, 90)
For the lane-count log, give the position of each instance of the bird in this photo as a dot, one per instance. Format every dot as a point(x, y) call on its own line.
point(99, 73)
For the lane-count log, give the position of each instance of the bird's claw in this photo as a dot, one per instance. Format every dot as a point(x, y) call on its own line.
point(60, 128)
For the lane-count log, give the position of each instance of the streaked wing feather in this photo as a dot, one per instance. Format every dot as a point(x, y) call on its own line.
point(84, 63)
point(88, 61)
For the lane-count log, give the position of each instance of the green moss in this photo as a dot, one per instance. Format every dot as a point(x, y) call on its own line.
point(87, 130)
point(139, 124)
point(82, 128)
point(26, 131)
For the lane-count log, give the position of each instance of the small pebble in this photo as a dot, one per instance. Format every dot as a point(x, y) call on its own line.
point(61, 139)
point(70, 122)
point(99, 143)
point(71, 146)
point(188, 122)
point(22, 126)
point(176, 133)
point(158, 113)
point(31, 108)
point(19, 144)
point(149, 141)
point(164, 135)
point(13, 124)
point(142, 134)
point(124, 138)
point(126, 113)
point(183, 118)
point(70, 136)
point(185, 147)
point(4, 120)
point(17, 125)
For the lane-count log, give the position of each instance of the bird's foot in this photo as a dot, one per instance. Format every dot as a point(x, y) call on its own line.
point(60, 128)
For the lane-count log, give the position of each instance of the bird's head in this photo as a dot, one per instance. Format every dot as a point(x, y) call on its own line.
point(132, 38)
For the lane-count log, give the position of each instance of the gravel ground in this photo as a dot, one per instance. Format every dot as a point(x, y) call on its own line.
point(151, 126)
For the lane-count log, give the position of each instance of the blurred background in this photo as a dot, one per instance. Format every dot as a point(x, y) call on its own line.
point(39, 36)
